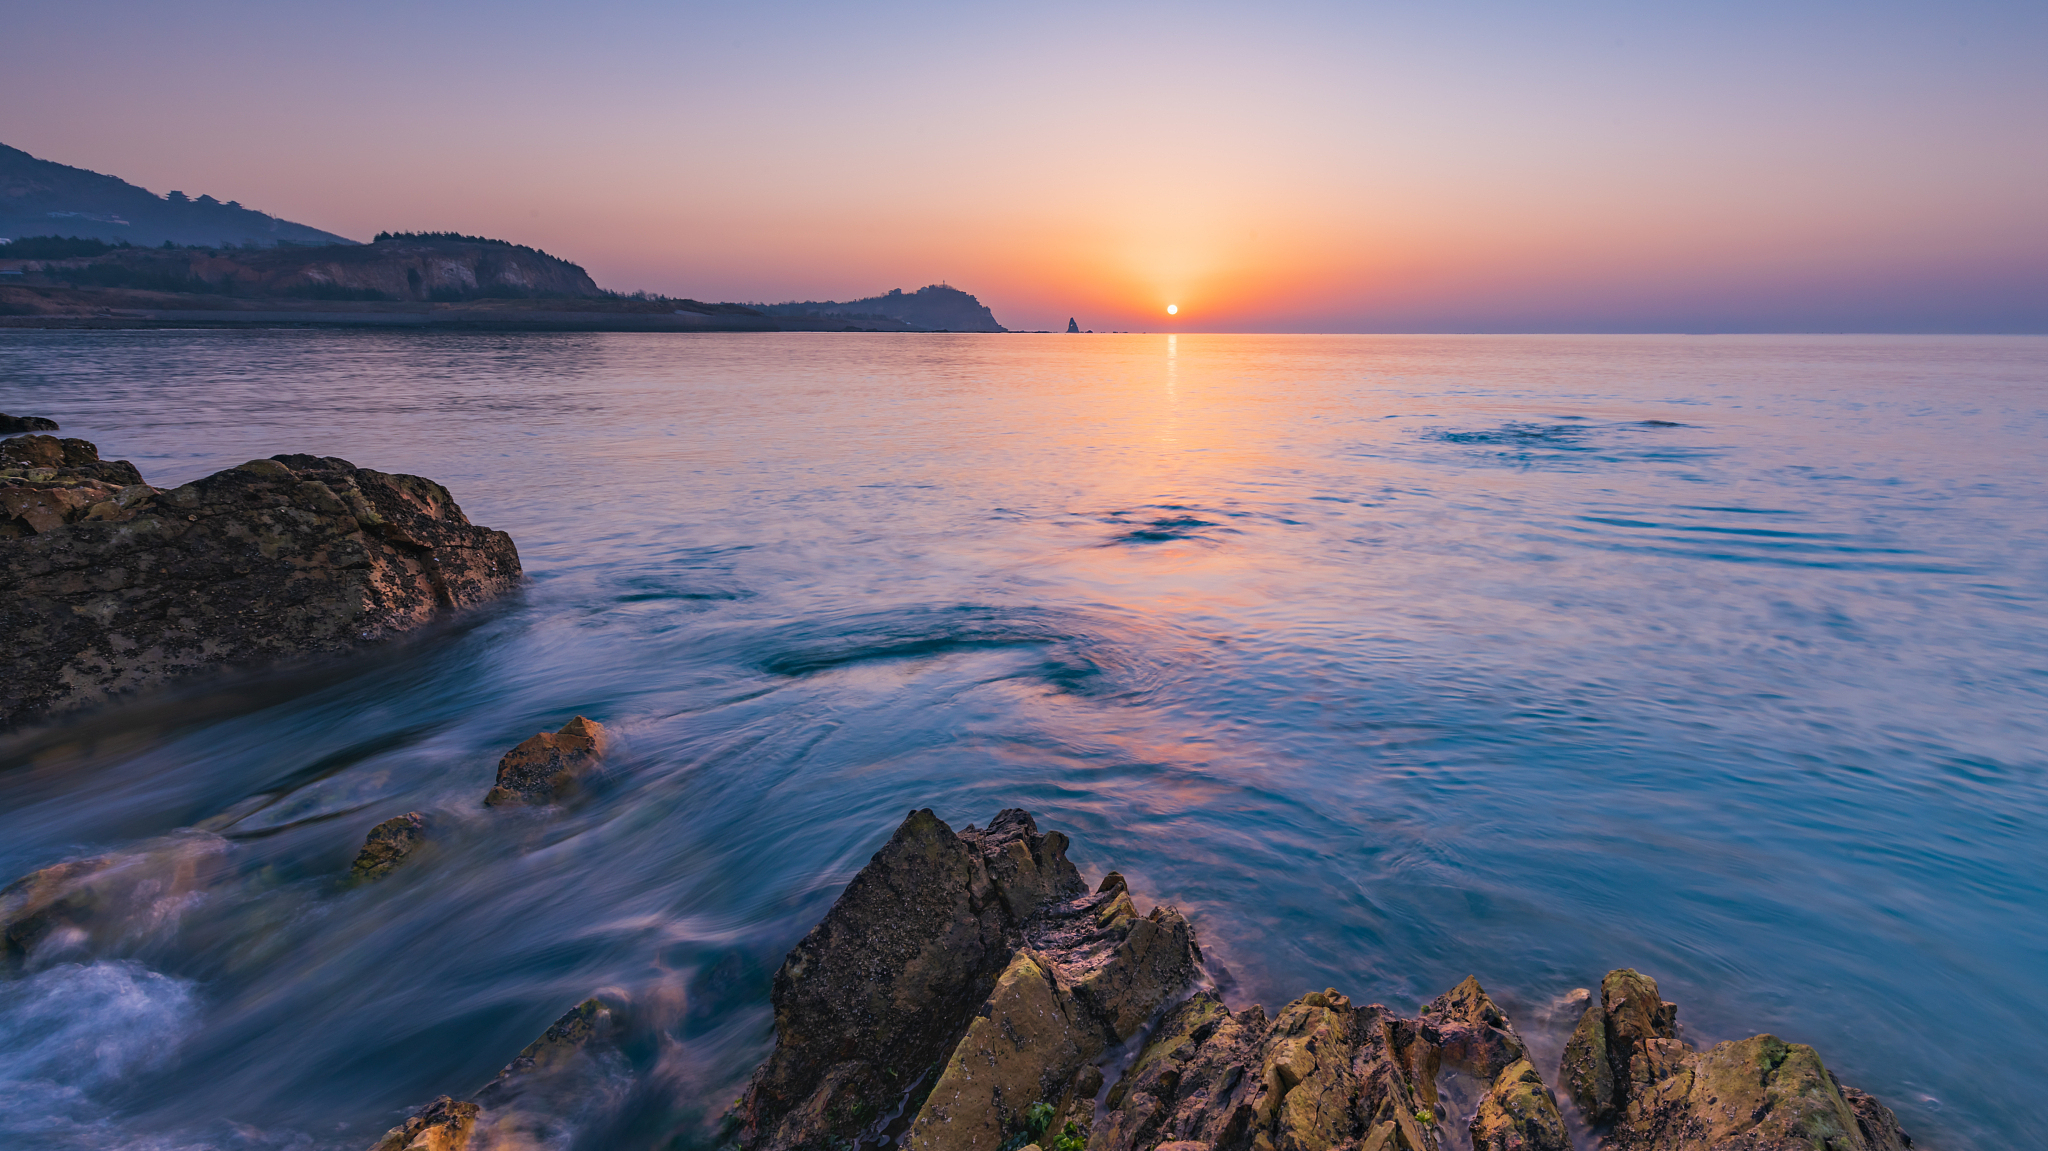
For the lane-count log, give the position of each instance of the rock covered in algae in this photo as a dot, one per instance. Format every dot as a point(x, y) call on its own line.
point(129, 588)
point(1518, 1114)
point(388, 845)
point(1626, 1065)
point(544, 767)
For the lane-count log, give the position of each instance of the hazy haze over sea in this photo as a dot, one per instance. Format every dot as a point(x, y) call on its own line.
point(1388, 659)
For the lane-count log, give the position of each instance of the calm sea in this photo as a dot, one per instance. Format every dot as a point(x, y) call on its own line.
point(1388, 659)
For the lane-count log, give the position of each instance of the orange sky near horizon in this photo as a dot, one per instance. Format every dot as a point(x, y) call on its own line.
point(1305, 167)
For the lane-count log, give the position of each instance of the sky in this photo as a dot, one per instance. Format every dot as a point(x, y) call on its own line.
point(1645, 166)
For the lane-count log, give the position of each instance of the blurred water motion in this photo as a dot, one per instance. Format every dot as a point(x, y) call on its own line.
point(1388, 659)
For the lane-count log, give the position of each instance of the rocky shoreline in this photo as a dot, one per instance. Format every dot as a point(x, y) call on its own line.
point(110, 586)
point(968, 992)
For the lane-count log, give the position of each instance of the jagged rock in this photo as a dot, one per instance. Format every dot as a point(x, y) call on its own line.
point(547, 765)
point(102, 899)
point(12, 424)
point(1756, 1094)
point(443, 1125)
point(1518, 1114)
point(1624, 1030)
point(1072, 327)
point(1475, 1035)
point(388, 844)
point(957, 982)
point(278, 559)
point(1321, 1075)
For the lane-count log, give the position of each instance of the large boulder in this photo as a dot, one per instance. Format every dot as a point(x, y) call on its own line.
point(956, 993)
point(279, 559)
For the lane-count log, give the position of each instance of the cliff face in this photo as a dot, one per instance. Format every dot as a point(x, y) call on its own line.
point(41, 198)
point(934, 308)
point(398, 269)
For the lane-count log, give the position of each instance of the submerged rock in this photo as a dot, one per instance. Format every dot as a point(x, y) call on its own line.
point(388, 845)
point(960, 982)
point(86, 904)
point(559, 1074)
point(278, 559)
point(1625, 1065)
point(443, 1125)
point(547, 765)
point(12, 424)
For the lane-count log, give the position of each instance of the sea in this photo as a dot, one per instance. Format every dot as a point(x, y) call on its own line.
point(1388, 660)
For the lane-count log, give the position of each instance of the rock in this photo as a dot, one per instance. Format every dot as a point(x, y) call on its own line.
point(1321, 1075)
point(388, 844)
point(443, 1125)
point(547, 765)
point(1756, 1094)
point(1518, 1114)
point(275, 560)
point(963, 982)
point(558, 1074)
point(12, 424)
point(100, 901)
point(1475, 1035)
point(583, 1025)
point(1759, 1094)
point(1072, 327)
point(46, 483)
point(1611, 1049)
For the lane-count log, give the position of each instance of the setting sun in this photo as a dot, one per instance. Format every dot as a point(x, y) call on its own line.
point(1172, 309)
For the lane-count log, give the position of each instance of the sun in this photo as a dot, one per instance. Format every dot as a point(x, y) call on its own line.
point(1172, 309)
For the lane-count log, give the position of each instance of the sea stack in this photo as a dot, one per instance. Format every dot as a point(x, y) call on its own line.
point(1072, 327)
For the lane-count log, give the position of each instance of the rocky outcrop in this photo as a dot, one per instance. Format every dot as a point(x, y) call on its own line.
point(116, 586)
point(388, 845)
point(9, 425)
point(1321, 1074)
point(1626, 1065)
point(959, 987)
point(966, 993)
point(545, 766)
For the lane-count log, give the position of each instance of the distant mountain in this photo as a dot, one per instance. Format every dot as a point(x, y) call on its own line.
point(934, 308)
point(41, 198)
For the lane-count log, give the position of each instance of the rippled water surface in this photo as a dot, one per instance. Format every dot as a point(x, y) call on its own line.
point(1389, 659)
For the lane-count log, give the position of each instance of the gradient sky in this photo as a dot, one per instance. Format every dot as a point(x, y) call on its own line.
point(1735, 166)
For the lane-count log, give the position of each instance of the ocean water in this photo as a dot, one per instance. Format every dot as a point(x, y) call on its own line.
point(1387, 659)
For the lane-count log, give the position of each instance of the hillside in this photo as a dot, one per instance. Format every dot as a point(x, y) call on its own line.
point(40, 198)
point(401, 267)
point(934, 308)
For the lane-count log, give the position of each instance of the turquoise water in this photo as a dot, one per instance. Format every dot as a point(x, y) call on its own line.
point(1388, 659)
